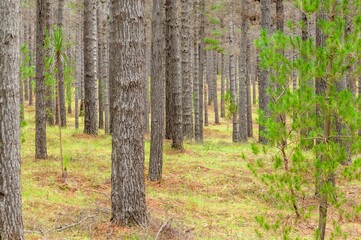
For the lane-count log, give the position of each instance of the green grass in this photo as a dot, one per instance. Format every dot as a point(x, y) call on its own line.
point(206, 189)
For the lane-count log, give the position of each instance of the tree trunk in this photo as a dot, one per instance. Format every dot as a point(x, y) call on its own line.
point(100, 67)
point(263, 82)
point(215, 96)
point(232, 80)
point(32, 57)
point(173, 73)
point(186, 69)
point(40, 132)
point(196, 74)
point(157, 92)
point(223, 110)
point(105, 76)
point(78, 78)
point(248, 88)
point(90, 68)
point(11, 224)
point(60, 73)
point(202, 58)
point(127, 51)
point(242, 103)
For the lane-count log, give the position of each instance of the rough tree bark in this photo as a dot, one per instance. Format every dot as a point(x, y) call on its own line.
point(202, 59)
point(173, 72)
point(242, 103)
point(157, 92)
point(43, 7)
point(223, 110)
point(100, 66)
point(215, 96)
point(127, 55)
point(196, 72)
point(90, 68)
point(263, 81)
point(60, 73)
point(232, 81)
point(186, 69)
point(11, 224)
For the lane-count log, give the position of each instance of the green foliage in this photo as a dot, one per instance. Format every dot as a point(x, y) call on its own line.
point(230, 106)
point(293, 173)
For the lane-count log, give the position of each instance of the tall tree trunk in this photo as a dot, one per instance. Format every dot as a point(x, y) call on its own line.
point(242, 103)
point(196, 72)
point(32, 57)
point(206, 88)
point(105, 76)
point(127, 50)
point(248, 88)
point(78, 77)
point(202, 59)
point(232, 80)
point(215, 96)
point(173, 72)
point(100, 67)
point(11, 224)
point(90, 68)
point(60, 73)
point(186, 69)
point(157, 92)
point(223, 110)
point(43, 7)
point(263, 81)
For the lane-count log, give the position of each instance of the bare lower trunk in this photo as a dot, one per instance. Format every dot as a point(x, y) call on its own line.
point(11, 224)
point(215, 96)
point(90, 68)
point(40, 134)
point(157, 92)
point(223, 110)
point(127, 55)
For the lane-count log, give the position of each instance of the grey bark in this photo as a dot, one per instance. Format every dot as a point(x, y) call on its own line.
point(215, 96)
point(173, 72)
point(196, 73)
point(60, 73)
point(157, 92)
point(40, 115)
point(232, 81)
point(186, 69)
point(223, 110)
point(242, 103)
point(100, 67)
point(248, 88)
point(202, 59)
point(90, 68)
point(31, 63)
point(263, 82)
point(11, 224)
point(127, 55)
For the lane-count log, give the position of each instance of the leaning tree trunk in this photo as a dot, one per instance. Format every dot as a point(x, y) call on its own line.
point(127, 50)
point(90, 68)
point(11, 224)
point(264, 74)
point(43, 7)
point(186, 70)
point(157, 92)
point(173, 72)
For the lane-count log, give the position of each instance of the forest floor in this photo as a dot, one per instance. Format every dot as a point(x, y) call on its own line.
point(207, 191)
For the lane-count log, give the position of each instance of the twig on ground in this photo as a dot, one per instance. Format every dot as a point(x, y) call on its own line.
point(162, 227)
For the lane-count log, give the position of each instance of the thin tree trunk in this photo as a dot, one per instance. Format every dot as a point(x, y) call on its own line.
point(223, 110)
point(11, 224)
point(196, 74)
point(127, 53)
point(232, 71)
point(248, 87)
point(90, 68)
point(215, 96)
point(157, 92)
point(32, 57)
point(40, 115)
